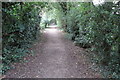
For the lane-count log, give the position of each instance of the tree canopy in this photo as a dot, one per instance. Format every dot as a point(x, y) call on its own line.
point(95, 27)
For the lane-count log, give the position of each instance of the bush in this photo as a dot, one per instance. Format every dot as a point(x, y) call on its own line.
point(98, 28)
point(20, 29)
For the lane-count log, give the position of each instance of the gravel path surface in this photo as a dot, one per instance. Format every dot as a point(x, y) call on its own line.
point(55, 57)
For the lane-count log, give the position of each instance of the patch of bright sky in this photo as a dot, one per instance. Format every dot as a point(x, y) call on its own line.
point(98, 2)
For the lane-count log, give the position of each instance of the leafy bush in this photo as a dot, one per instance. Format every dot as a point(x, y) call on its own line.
point(98, 28)
point(20, 29)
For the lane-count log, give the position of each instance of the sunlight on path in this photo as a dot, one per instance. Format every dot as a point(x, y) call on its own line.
point(53, 26)
point(52, 30)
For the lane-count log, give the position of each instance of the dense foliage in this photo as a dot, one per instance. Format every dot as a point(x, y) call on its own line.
point(96, 28)
point(20, 29)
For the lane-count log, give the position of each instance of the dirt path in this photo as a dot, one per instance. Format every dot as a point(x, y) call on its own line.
point(56, 57)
